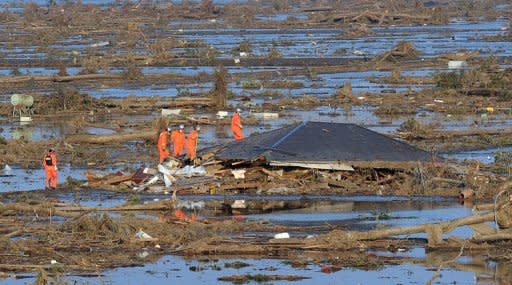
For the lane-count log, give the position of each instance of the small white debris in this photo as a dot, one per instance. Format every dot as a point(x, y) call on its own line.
point(238, 204)
point(142, 255)
point(170, 112)
point(358, 52)
point(457, 64)
point(222, 114)
point(7, 171)
point(53, 261)
point(282, 235)
point(239, 174)
point(142, 235)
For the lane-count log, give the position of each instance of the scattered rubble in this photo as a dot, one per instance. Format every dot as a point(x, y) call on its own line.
point(45, 236)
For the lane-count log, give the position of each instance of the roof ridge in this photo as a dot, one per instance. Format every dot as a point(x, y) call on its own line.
point(294, 130)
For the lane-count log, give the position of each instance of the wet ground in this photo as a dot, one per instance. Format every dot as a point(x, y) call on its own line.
point(352, 212)
point(368, 212)
point(172, 269)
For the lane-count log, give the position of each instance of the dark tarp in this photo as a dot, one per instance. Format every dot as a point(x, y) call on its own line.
point(322, 142)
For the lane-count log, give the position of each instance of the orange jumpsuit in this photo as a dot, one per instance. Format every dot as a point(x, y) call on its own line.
point(236, 127)
point(178, 141)
point(162, 146)
point(50, 169)
point(191, 144)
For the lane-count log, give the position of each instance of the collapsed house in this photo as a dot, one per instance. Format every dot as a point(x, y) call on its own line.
point(327, 146)
point(296, 153)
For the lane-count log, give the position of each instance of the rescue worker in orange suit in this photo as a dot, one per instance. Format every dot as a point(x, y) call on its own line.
point(191, 145)
point(236, 126)
point(50, 169)
point(162, 144)
point(178, 141)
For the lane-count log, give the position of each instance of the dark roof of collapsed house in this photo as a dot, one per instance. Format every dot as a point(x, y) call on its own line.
point(321, 142)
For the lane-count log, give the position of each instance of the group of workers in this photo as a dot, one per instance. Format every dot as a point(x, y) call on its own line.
point(178, 140)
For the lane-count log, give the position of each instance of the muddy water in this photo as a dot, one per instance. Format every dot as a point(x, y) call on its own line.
point(347, 211)
point(174, 270)
point(364, 213)
point(485, 156)
point(31, 179)
point(430, 40)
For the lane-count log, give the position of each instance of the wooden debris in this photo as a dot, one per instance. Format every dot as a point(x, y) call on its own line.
point(435, 231)
point(116, 138)
point(110, 179)
point(245, 185)
point(403, 50)
point(483, 229)
point(20, 79)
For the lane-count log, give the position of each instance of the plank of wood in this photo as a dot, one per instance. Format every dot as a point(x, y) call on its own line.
point(246, 185)
point(483, 229)
point(110, 180)
point(140, 135)
point(494, 237)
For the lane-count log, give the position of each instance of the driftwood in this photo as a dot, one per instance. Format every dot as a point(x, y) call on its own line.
point(110, 179)
point(140, 135)
point(378, 18)
point(444, 227)
point(157, 206)
point(47, 210)
point(56, 78)
point(72, 211)
point(32, 267)
point(435, 231)
point(188, 102)
point(485, 92)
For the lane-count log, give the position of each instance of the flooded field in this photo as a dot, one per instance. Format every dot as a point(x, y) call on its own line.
point(105, 78)
point(363, 212)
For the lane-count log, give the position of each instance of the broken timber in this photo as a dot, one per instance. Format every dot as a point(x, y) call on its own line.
point(435, 231)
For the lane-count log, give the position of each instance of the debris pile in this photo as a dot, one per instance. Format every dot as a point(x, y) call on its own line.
point(402, 51)
point(358, 30)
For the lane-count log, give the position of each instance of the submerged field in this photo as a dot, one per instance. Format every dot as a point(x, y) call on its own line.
point(100, 73)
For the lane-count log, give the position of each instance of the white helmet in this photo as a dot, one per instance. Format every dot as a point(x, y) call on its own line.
point(182, 127)
point(198, 128)
point(238, 110)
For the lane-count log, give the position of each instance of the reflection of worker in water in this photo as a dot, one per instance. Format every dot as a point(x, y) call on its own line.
point(50, 169)
point(162, 144)
point(236, 126)
point(178, 141)
point(191, 145)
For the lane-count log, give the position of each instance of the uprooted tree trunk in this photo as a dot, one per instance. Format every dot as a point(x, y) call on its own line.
point(435, 231)
point(219, 93)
